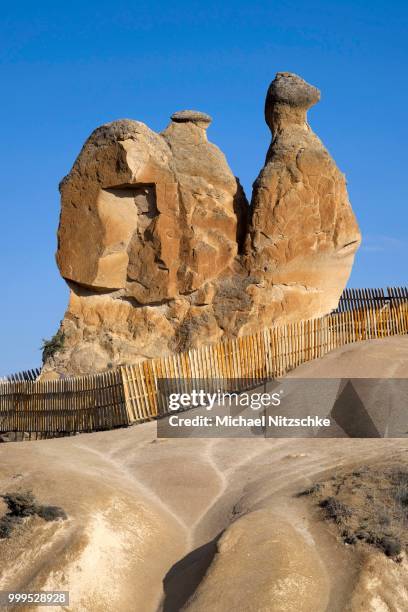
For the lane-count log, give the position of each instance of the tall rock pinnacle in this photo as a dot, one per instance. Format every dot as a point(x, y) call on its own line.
point(303, 234)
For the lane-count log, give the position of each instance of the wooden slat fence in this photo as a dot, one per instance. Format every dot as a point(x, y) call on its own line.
point(21, 376)
point(68, 405)
point(248, 361)
point(354, 299)
point(398, 294)
point(136, 393)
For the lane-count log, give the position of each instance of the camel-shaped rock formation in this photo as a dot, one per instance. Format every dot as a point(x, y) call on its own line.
point(162, 252)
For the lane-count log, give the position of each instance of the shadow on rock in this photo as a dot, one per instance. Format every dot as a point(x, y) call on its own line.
point(184, 576)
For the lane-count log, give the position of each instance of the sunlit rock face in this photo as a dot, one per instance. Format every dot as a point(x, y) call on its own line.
point(162, 252)
point(303, 233)
point(153, 215)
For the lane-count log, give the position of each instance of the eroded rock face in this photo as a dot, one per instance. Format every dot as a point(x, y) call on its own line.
point(153, 215)
point(213, 207)
point(303, 234)
point(110, 212)
point(155, 245)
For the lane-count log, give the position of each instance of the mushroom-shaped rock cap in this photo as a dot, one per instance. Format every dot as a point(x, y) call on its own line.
point(193, 116)
point(291, 89)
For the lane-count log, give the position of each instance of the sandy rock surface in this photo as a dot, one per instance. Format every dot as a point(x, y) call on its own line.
point(162, 524)
point(303, 233)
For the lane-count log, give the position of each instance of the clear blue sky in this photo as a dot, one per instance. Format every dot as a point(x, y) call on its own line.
point(66, 68)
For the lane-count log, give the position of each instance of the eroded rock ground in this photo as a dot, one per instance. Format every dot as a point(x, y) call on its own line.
point(205, 524)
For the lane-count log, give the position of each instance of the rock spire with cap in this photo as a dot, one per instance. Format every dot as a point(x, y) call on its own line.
point(303, 233)
point(288, 99)
point(193, 116)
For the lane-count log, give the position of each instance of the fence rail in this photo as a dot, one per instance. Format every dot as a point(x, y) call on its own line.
point(135, 393)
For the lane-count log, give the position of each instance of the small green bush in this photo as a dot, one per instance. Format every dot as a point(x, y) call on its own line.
point(51, 513)
point(21, 505)
point(52, 346)
point(401, 495)
point(335, 509)
point(7, 524)
point(390, 545)
point(310, 490)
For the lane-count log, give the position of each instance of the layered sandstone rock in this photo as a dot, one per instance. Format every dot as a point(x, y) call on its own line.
point(303, 234)
point(213, 207)
point(155, 245)
point(152, 215)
